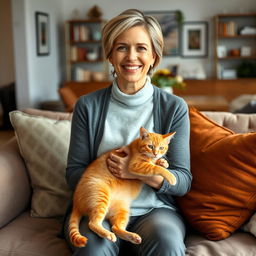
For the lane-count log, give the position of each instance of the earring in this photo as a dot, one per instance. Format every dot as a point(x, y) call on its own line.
point(150, 71)
point(113, 73)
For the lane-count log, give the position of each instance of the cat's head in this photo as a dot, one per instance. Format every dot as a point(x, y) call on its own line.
point(154, 145)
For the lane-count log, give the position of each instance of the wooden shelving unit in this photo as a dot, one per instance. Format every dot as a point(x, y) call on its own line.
point(229, 41)
point(84, 56)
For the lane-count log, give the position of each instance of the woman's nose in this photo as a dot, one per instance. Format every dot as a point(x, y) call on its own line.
point(132, 54)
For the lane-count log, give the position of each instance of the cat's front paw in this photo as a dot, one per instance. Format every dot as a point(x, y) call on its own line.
point(171, 178)
point(162, 162)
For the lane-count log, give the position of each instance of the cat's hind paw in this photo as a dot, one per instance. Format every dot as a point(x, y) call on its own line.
point(111, 237)
point(80, 242)
point(126, 235)
point(131, 237)
point(135, 239)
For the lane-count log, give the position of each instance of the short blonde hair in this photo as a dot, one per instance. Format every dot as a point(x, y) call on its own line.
point(126, 20)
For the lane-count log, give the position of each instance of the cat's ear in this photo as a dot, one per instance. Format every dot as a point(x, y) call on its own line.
point(143, 133)
point(168, 136)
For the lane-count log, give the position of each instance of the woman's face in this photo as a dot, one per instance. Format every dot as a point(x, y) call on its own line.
point(131, 57)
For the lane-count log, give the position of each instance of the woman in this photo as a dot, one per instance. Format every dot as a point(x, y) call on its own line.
point(111, 118)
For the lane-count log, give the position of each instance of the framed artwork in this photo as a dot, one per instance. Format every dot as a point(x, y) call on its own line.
point(169, 22)
point(195, 39)
point(42, 34)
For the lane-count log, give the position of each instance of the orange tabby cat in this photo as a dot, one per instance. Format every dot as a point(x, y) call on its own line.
point(101, 195)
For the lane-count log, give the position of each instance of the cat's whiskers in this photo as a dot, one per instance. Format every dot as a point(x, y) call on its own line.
point(152, 156)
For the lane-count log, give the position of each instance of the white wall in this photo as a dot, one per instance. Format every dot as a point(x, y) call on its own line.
point(37, 77)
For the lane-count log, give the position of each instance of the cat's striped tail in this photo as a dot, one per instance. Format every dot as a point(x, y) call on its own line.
point(74, 235)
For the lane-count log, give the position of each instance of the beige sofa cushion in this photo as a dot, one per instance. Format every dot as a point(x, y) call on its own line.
point(44, 143)
point(239, 123)
point(239, 244)
point(26, 236)
point(14, 183)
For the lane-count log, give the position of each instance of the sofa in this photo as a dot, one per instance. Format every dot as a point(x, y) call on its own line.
point(24, 235)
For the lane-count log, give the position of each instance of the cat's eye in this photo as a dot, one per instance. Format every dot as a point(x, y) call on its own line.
point(151, 146)
point(161, 148)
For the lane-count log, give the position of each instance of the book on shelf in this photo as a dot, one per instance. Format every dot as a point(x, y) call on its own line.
point(73, 53)
point(82, 75)
point(79, 33)
point(77, 54)
point(226, 73)
point(227, 28)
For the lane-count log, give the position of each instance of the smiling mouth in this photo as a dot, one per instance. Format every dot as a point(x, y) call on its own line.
point(132, 68)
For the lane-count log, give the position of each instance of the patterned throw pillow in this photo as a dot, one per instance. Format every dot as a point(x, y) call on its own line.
point(43, 144)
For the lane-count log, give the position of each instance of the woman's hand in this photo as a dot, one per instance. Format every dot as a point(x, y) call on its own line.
point(118, 166)
point(118, 163)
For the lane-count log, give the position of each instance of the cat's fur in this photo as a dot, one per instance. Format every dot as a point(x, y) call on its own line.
point(101, 195)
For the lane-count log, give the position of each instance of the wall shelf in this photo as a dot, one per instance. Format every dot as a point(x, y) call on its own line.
point(84, 55)
point(238, 36)
point(233, 44)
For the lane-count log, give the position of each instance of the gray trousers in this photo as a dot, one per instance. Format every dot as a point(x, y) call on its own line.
point(162, 232)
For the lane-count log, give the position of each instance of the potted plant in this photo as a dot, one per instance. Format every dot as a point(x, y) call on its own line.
point(166, 80)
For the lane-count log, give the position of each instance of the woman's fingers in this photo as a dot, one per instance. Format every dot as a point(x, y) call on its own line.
point(115, 158)
point(113, 164)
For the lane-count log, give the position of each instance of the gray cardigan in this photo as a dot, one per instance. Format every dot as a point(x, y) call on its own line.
point(170, 113)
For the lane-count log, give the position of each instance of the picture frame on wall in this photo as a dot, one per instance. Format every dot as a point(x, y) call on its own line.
point(195, 39)
point(42, 34)
point(169, 22)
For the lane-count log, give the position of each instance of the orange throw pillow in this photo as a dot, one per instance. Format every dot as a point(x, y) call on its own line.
point(223, 165)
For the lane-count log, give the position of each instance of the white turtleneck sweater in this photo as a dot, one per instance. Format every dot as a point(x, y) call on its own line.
point(126, 114)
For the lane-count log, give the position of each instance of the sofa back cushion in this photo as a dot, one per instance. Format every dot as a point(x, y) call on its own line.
point(238, 123)
point(43, 143)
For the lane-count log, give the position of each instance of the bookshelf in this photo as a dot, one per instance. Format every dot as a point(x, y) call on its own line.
point(84, 56)
point(235, 44)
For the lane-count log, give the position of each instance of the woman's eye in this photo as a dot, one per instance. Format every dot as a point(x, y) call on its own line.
point(151, 146)
point(121, 48)
point(142, 48)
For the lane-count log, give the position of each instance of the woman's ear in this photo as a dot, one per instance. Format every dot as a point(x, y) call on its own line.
point(154, 59)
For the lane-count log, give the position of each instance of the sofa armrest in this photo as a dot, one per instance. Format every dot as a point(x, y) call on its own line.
point(15, 188)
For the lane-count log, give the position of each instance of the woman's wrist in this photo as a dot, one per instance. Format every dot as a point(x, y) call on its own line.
point(155, 182)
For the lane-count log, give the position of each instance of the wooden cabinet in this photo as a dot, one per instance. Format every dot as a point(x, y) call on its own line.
point(84, 56)
point(235, 43)
point(229, 88)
